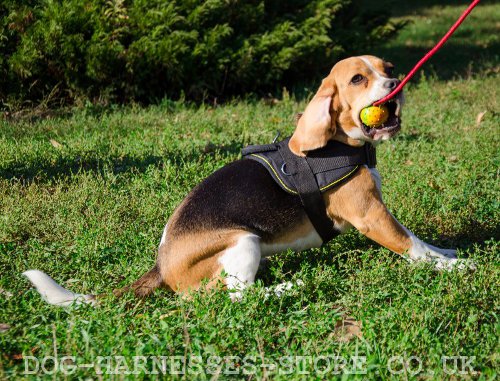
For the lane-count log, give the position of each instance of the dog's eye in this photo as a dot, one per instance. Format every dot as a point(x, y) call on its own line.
point(358, 78)
point(389, 70)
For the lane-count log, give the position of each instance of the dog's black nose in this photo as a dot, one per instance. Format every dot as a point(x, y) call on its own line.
point(391, 83)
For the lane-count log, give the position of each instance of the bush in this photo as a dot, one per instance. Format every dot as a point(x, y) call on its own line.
point(143, 50)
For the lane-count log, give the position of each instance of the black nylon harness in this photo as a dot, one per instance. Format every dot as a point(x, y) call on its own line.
point(313, 174)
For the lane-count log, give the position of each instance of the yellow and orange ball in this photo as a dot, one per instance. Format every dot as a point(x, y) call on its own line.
point(374, 116)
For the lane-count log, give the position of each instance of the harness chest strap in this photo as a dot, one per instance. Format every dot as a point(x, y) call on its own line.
point(310, 195)
point(307, 177)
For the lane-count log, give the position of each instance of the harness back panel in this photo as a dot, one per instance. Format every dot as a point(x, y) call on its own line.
point(330, 165)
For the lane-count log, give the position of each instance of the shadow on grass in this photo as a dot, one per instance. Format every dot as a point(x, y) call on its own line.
point(456, 57)
point(453, 60)
point(406, 8)
point(472, 234)
point(64, 167)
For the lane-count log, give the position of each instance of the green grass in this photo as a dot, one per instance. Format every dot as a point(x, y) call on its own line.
point(91, 212)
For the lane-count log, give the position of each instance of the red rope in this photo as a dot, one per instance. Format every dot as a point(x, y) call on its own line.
point(429, 54)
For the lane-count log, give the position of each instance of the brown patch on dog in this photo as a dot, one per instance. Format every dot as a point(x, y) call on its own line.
point(301, 230)
point(342, 137)
point(317, 124)
point(359, 202)
point(185, 261)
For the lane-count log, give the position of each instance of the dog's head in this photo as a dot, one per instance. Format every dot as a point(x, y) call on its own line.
point(353, 84)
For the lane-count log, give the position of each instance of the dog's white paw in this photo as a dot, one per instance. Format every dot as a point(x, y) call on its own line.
point(443, 259)
point(454, 264)
point(447, 260)
point(282, 288)
point(448, 253)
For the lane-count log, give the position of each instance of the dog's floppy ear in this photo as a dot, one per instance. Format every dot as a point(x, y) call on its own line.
point(317, 124)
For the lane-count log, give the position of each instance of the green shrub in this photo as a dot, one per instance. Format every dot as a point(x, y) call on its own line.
point(143, 50)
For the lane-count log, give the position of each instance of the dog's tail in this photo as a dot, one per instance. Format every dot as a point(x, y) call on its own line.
point(57, 295)
point(145, 285)
point(54, 293)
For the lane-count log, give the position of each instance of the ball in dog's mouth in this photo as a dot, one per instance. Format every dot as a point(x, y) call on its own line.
point(390, 126)
point(374, 116)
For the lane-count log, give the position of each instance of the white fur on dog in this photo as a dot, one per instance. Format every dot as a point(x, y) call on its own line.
point(54, 293)
point(241, 263)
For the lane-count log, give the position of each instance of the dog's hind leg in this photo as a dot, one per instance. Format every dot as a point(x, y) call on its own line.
point(240, 264)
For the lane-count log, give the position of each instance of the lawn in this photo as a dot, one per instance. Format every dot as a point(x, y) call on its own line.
point(84, 196)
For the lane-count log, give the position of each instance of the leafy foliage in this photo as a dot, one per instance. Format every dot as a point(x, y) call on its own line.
point(142, 50)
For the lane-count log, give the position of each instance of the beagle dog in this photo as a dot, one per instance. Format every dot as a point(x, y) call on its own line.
point(239, 215)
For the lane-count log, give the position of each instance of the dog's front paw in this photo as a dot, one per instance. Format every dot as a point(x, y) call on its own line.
point(454, 264)
point(446, 259)
point(449, 253)
point(443, 259)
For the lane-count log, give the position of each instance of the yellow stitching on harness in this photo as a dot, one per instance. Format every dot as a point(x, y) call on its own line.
point(272, 169)
point(336, 181)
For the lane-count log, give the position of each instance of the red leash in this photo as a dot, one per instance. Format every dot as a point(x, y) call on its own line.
point(429, 54)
